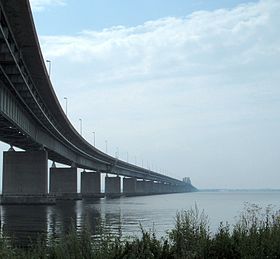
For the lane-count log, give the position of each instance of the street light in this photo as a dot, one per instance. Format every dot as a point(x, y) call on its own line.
point(106, 146)
point(66, 104)
point(93, 138)
point(117, 153)
point(81, 127)
point(50, 66)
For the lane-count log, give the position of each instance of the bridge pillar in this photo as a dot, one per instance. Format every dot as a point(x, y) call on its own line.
point(90, 185)
point(169, 188)
point(166, 188)
point(156, 188)
point(178, 188)
point(141, 187)
point(172, 188)
point(25, 177)
point(113, 186)
point(63, 182)
point(129, 186)
point(161, 188)
point(150, 187)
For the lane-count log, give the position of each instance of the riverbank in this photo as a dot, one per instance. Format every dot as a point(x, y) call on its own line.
point(255, 235)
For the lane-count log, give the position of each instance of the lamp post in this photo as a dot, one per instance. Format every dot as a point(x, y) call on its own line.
point(81, 127)
point(66, 105)
point(50, 66)
point(93, 138)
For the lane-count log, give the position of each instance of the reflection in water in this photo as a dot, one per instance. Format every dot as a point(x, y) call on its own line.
point(62, 217)
point(123, 216)
point(90, 216)
point(23, 223)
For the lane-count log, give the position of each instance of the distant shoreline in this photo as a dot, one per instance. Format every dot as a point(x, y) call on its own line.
point(238, 190)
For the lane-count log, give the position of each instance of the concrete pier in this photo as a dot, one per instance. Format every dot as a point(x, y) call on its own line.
point(63, 183)
point(112, 186)
point(150, 187)
point(156, 188)
point(141, 187)
point(165, 188)
point(172, 188)
point(129, 186)
point(168, 188)
point(162, 188)
point(91, 185)
point(25, 178)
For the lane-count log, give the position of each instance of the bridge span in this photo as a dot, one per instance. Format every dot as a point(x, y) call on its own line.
point(32, 119)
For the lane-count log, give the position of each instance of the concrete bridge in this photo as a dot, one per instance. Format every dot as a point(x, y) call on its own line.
point(32, 119)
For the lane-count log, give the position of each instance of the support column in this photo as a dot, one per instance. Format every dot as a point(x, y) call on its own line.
point(63, 182)
point(178, 188)
point(159, 188)
point(25, 177)
point(165, 187)
point(172, 188)
point(141, 188)
point(113, 186)
point(150, 187)
point(155, 188)
point(90, 185)
point(129, 186)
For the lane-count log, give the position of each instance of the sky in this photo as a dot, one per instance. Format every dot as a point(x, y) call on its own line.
point(191, 88)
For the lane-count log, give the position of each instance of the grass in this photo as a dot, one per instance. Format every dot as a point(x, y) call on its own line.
point(255, 235)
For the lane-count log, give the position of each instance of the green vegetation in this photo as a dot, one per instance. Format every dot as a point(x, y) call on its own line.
point(255, 235)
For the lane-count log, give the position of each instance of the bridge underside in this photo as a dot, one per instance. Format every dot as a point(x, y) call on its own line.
point(25, 180)
point(32, 119)
point(18, 129)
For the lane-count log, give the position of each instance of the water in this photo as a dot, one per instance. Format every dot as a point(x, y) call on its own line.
point(124, 216)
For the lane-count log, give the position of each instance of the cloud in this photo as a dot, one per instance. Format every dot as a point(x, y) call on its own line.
point(198, 95)
point(199, 44)
point(40, 5)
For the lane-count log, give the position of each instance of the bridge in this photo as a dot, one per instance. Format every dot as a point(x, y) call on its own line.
point(32, 119)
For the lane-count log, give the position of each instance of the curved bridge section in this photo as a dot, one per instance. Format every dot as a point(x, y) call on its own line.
point(31, 117)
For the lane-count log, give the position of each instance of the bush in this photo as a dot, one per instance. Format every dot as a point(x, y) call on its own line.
point(191, 236)
point(255, 235)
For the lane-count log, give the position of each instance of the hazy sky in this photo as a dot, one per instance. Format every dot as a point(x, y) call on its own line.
point(191, 87)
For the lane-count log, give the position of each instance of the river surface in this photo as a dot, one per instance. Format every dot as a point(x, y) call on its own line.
point(123, 216)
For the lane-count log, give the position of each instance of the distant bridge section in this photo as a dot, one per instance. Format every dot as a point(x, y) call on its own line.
point(32, 119)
